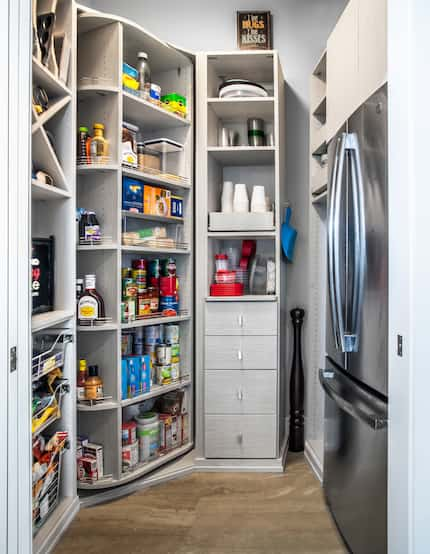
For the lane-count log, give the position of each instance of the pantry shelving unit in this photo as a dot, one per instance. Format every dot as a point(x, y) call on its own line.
point(315, 335)
point(240, 359)
point(101, 99)
point(53, 214)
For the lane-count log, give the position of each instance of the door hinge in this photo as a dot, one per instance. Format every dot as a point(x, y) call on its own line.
point(12, 359)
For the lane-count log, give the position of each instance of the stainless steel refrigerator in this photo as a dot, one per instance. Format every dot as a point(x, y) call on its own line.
point(355, 378)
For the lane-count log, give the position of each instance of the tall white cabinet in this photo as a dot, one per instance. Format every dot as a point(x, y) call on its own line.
point(240, 382)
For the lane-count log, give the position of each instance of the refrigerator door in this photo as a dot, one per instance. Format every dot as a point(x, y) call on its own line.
point(369, 361)
point(355, 462)
point(336, 246)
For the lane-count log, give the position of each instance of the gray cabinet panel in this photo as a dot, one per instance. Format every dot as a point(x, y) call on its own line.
point(239, 352)
point(240, 392)
point(241, 318)
point(240, 436)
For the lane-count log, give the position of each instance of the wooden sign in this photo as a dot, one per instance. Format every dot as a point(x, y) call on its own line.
point(254, 30)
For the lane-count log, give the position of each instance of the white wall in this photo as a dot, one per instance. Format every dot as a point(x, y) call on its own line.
point(300, 31)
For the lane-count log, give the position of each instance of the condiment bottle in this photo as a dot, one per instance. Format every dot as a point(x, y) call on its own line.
point(81, 150)
point(80, 384)
point(144, 74)
point(93, 384)
point(97, 146)
point(89, 228)
point(91, 305)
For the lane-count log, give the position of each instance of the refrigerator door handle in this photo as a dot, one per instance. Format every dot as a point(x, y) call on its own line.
point(333, 238)
point(352, 339)
point(360, 409)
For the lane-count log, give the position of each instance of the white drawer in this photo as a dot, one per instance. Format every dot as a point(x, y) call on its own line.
point(240, 436)
point(240, 392)
point(241, 352)
point(241, 318)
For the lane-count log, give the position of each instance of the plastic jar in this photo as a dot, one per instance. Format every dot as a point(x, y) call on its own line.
point(148, 434)
point(221, 262)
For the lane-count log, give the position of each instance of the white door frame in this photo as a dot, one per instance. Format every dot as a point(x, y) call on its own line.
point(409, 186)
point(15, 326)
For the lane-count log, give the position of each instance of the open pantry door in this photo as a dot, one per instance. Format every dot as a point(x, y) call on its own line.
point(15, 469)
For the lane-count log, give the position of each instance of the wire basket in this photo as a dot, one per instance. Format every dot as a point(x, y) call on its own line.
point(50, 412)
point(88, 163)
point(46, 490)
point(103, 241)
point(51, 348)
point(99, 322)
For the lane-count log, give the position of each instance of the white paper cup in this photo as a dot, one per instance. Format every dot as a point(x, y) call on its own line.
point(258, 200)
point(240, 198)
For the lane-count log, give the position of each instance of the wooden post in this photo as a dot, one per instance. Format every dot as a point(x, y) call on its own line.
point(297, 386)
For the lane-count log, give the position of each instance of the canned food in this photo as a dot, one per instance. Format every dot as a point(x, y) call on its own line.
point(164, 354)
point(154, 269)
point(129, 288)
point(125, 272)
point(144, 305)
point(171, 334)
point(163, 374)
point(175, 371)
point(169, 306)
point(128, 432)
point(154, 299)
point(175, 352)
point(154, 334)
point(139, 276)
point(141, 263)
point(167, 267)
point(130, 456)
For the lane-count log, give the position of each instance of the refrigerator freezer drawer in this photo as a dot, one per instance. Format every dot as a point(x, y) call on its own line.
point(355, 465)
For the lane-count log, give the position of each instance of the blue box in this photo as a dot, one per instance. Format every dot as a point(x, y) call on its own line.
point(132, 195)
point(133, 377)
point(130, 71)
point(176, 206)
point(124, 379)
point(145, 373)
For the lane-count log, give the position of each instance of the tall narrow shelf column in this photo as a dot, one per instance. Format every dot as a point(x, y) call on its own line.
point(241, 385)
point(55, 500)
point(101, 98)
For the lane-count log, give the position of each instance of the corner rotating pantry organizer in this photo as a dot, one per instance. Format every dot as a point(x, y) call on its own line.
point(231, 368)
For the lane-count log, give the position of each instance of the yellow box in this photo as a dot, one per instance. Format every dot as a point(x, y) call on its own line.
point(156, 201)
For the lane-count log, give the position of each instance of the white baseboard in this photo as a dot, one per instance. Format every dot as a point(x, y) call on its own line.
point(313, 460)
point(51, 532)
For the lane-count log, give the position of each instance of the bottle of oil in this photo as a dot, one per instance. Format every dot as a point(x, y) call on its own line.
point(97, 145)
point(82, 376)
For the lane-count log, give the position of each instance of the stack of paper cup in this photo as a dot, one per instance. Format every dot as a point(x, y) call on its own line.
point(240, 198)
point(227, 197)
point(258, 199)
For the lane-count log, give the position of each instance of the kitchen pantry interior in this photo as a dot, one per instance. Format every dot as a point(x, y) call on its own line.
point(166, 189)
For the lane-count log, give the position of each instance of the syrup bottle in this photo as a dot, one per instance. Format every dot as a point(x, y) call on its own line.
point(91, 305)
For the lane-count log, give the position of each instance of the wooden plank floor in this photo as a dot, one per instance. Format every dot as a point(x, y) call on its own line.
point(213, 513)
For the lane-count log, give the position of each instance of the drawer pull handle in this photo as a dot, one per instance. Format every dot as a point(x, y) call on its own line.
point(239, 355)
point(240, 318)
point(240, 438)
point(240, 394)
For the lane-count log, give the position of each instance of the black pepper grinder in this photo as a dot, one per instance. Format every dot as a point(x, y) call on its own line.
point(297, 386)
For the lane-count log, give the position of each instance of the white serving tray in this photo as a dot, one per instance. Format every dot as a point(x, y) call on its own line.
point(219, 221)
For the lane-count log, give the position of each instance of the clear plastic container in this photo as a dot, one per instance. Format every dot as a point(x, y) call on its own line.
point(144, 71)
point(225, 277)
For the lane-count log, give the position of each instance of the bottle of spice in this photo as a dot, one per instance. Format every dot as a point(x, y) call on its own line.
point(80, 383)
point(93, 384)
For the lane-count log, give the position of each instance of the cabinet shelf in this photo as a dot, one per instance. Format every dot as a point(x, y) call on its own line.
point(156, 391)
point(55, 107)
point(100, 407)
point(244, 298)
point(41, 191)
point(97, 328)
point(149, 116)
point(243, 155)
point(151, 217)
point(156, 179)
point(155, 321)
point(45, 79)
point(241, 108)
point(156, 250)
point(39, 322)
point(242, 234)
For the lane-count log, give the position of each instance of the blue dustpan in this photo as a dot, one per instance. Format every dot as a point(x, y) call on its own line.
point(288, 236)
